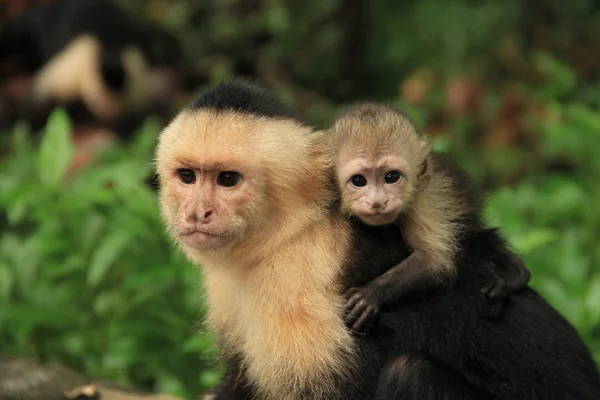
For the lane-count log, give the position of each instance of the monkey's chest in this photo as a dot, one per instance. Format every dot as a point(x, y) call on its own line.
point(291, 342)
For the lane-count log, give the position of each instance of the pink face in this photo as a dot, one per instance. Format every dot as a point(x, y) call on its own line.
point(373, 186)
point(208, 206)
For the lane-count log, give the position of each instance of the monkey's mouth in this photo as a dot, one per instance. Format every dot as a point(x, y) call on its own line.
point(205, 233)
point(377, 218)
point(203, 239)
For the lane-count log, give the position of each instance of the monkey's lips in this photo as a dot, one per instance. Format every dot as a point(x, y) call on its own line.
point(205, 239)
point(377, 218)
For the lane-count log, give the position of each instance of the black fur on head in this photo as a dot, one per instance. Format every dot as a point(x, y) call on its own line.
point(246, 97)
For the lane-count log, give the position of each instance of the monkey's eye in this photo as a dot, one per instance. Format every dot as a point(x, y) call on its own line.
point(392, 177)
point(358, 180)
point(228, 178)
point(186, 176)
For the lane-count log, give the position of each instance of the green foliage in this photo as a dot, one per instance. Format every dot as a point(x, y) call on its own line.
point(87, 276)
point(553, 221)
point(56, 149)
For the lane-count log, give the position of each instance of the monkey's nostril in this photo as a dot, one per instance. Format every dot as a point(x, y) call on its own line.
point(376, 205)
point(192, 217)
point(207, 214)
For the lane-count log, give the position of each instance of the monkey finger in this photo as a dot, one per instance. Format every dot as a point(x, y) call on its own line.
point(365, 319)
point(352, 301)
point(355, 313)
point(486, 290)
point(519, 283)
point(498, 290)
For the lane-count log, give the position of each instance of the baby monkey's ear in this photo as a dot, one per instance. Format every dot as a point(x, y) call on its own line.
point(424, 174)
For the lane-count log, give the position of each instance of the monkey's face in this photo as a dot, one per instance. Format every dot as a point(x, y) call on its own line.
point(211, 196)
point(229, 180)
point(210, 208)
point(375, 187)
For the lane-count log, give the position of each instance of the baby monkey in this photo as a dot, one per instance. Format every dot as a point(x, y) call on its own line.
point(387, 174)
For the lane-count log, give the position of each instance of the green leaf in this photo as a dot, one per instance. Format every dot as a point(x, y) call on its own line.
point(21, 137)
point(106, 302)
point(197, 344)
point(573, 265)
point(168, 384)
point(561, 78)
point(210, 378)
point(91, 229)
point(145, 138)
point(567, 306)
point(107, 252)
point(6, 281)
point(56, 149)
point(29, 316)
point(592, 301)
point(16, 213)
point(441, 143)
point(534, 239)
point(75, 342)
point(585, 117)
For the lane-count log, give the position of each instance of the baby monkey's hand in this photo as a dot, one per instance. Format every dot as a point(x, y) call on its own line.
point(361, 308)
point(496, 294)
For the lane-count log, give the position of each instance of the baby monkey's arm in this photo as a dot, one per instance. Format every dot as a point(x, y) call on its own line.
point(413, 275)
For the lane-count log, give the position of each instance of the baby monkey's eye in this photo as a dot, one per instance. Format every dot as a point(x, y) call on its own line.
point(392, 177)
point(186, 176)
point(358, 180)
point(228, 178)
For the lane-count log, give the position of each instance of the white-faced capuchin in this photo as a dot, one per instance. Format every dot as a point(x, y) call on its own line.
point(387, 174)
point(85, 55)
point(246, 192)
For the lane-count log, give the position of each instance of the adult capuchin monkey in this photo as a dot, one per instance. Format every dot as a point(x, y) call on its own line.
point(246, 192)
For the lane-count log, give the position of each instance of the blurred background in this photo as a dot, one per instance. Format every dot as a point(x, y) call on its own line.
point(89, 280)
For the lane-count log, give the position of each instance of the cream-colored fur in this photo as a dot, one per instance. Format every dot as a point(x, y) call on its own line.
point(273, 295)
point(431, 224)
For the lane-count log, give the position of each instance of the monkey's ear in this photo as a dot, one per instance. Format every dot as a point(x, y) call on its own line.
point(424, 175)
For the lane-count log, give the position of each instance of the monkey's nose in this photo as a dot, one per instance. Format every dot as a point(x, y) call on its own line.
point(199, 216)
point(377, 204)
point(205, 216)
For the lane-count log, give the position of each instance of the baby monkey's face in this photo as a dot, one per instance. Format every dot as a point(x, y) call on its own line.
point(374, 186)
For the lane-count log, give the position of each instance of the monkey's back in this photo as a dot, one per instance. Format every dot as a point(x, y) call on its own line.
point(530, 353)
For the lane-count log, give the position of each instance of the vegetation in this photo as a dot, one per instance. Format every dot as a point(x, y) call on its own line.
point(87, 276)
point(89, 279)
